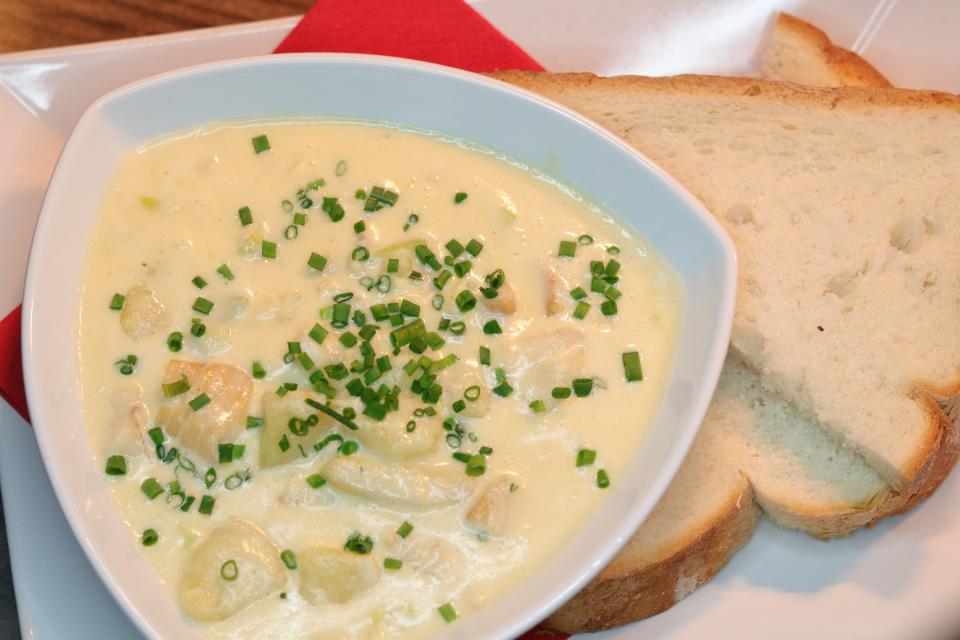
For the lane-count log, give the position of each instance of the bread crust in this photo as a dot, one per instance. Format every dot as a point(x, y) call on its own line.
point(849, 68)
point(623, 593)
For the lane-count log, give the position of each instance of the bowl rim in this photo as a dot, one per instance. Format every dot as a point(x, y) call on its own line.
point(82, 526)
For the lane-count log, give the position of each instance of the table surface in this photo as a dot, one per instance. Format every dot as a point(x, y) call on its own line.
point(37, 24)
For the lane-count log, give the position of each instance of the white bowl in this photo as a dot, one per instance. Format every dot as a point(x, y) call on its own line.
point(472, 107)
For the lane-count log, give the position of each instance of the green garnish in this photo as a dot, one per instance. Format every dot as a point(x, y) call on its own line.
point(460, 197)
point(206, 505)
point(568, 249)
point(484, 356)
point(172, 389)
point(316, 261)
point(199, 282)
point(258, 371)
point(581, 310)
point(149, 537)
point(246, 216)
point(202, 305)
point(316, 480)
point(116, 302)
point(199, 402)
point(392, 564)
point(126, 365)
point(537, 406)
point(474, 247)
point(586, 457)
point(225, 272)
point(561, 393)
point(229, 570)
point(465, 301)
point(578, 293)
point(289, 560)
point(151, 488)
point(608, 308)
point(631, 366)
point(260, 144)
point(603, 480)
point(404, 529)
point(492, 328)
point(359, 543)
point(254, 422)
point(447, 612)
point(582, 387)
point(585, 239)
point(116, 466)
point(341, 168)
point(476, 465)
point(175, 341)
point(268, 250)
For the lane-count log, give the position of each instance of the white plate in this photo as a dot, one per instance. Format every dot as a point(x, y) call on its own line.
point(896, 581)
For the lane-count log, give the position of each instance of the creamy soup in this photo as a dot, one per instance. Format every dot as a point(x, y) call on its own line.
point(347, 381)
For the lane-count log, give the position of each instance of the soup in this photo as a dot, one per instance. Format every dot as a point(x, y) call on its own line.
point(350, 381)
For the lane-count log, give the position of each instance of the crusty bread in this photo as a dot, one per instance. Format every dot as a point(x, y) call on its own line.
point(801, 476)
point(799, 52)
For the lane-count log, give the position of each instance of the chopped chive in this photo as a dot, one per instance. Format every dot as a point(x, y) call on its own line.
point(202, 305)
point(149, 538)
point(246, 216)
point(360, 254)
point(568, 249)
point(347, 422)
point(484, 354)
point(393, 265)
point(492, 328)
point(608, 308)
point(229, 570)
point(175, 341)
point(503, 389)
point(537, 406)
point(465, 301)
point(347, 339)
point(581, 310)
point(199, 282)
point(631, 366)
point(578, 293)
point(258, 371)
point(206, 505)
point(586, 457)
point(582, 387)
point(260, 144)
point(172, 389)
point(392, 564)
point(289, 560)
point(268, 250)
point(224, 453)
point(116, 466)
point(441, 280)
point(447, 612)
point(116, 302)
point(359, 543)
point(585, 239)
point(410, 309)
point(151, 488)
point(156, 435)
point(197, 328)
point(460, 197)
point(462, 268)
point(341, 168)
point(318, 333)
point(316, 481)
point(459, 406)
point(316, 261)
point(291, 232)
point(359, 227)
point(225, 272)
point(474, 247)
point(603, 480)
point(404, 529)
point(254, 422)
point(300, 219)
point(199, 402)
point(561, 393)
point(454, 247)
point(613, 250)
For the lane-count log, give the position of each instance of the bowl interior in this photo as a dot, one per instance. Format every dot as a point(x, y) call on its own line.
point(478, 109)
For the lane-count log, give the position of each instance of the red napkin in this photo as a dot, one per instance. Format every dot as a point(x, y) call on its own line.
point(447, 32)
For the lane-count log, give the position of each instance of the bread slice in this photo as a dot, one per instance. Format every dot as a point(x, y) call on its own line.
point(814, 484)
point(799, 52)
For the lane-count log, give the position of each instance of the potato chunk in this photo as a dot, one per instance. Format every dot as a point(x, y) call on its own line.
point(489, 511)
point(335, 575)
point(130, 419)
point(277, 412)
point(206, 596)
point(143, 314)
point(392, 483)
point(391, 439)
point(221, 420)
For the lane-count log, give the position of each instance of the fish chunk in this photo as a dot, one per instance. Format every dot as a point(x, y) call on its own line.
point(391, 439)
point(505, 302)
point(127, 434)
point(393, 483)
point(335, 575)
point(541, 361)
point(206, 596)
point(221, 420)
point(143, 314)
